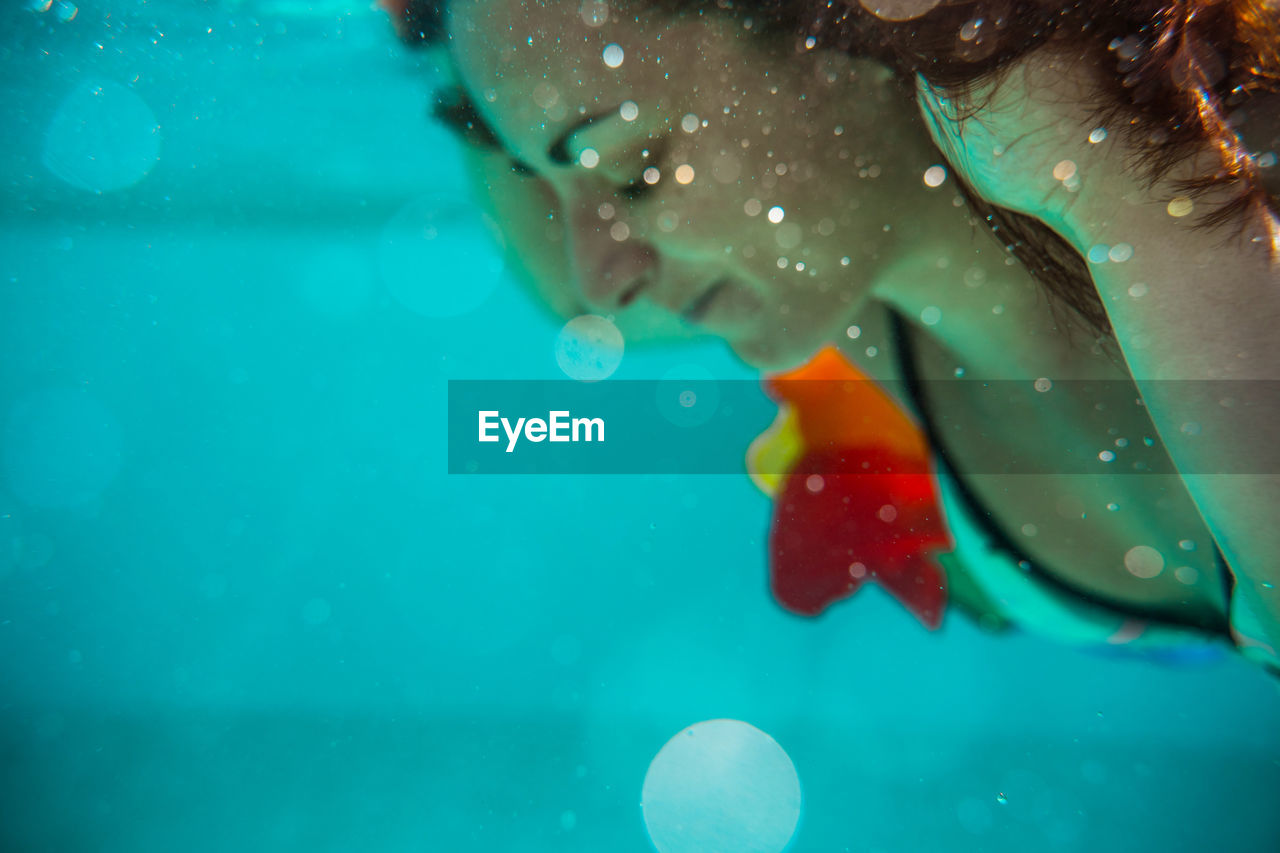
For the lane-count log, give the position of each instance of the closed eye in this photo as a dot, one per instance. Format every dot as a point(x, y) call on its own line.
point(458, 113)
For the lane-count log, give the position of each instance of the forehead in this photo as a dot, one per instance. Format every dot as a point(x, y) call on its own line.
point(541, 62)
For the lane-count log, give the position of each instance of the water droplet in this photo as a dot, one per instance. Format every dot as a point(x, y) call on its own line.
point(931, 315)
point(589, 348)
point(1043, 384)
point(103, 137)
point(612, 55)
point(689, 124)
point(1107, 456)
point(776, 214)
point(853, 332)
point(1097, 135)
point(1120, 253)
point(629, 110)
point(1180, 206)
point(721, 785)
point(934, 176)
point(1143, 561)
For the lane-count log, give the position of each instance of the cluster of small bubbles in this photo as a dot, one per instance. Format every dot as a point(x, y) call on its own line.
point(1029, 529)
point(1120, 252)
point(1143, 561)
point(684, 174)
point(612, 55)
point(752, 207)
point(853, 332)
point(814, 483)
point(1138, 290)
point(605, 211)
point(1107, 456)
point(689, 124)
point(629, 110)
point(1179, 206)
point(776, 214)
point(589, 348)
point(934, 176)
point(619, 231)
point(651, 175)
point(1186, 575)
point(931, 315)
point(721, 785)
point(872, 351)
point(1043, 384)
point(1098, 253)
point(595, 13)
point(589, 158)
point(1097, 135)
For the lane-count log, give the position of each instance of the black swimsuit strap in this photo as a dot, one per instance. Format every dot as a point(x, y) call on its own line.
point(1000, 538)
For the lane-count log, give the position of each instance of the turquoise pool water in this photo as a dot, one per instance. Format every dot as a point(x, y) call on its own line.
point(243, 605)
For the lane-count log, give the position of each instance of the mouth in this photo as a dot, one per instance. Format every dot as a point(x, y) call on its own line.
point(697, 309)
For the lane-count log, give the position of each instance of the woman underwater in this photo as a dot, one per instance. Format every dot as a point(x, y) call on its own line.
point(770, 173)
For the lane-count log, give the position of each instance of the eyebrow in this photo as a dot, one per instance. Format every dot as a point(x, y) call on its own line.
point(558, 151)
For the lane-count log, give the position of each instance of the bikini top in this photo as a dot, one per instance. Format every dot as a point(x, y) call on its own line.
point(1025, 591)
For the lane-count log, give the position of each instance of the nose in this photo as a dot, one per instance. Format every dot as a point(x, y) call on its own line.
point(610, 272)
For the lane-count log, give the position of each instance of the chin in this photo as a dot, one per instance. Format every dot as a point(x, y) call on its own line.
point(773, 355)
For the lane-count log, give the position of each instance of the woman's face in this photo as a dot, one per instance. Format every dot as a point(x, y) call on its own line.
point(685, 170)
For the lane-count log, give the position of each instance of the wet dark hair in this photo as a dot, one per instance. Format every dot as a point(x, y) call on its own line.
point(1177, 75)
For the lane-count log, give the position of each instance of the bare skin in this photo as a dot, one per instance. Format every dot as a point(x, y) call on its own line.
point(827, 121)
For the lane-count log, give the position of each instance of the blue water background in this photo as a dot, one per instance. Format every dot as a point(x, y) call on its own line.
point(242, 605)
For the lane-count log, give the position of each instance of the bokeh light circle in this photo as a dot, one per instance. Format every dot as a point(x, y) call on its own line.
point(61, 448)
point(721, 786)
point(437, 257)
point(102, 137)
point(688, 395)
point(589, 348)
